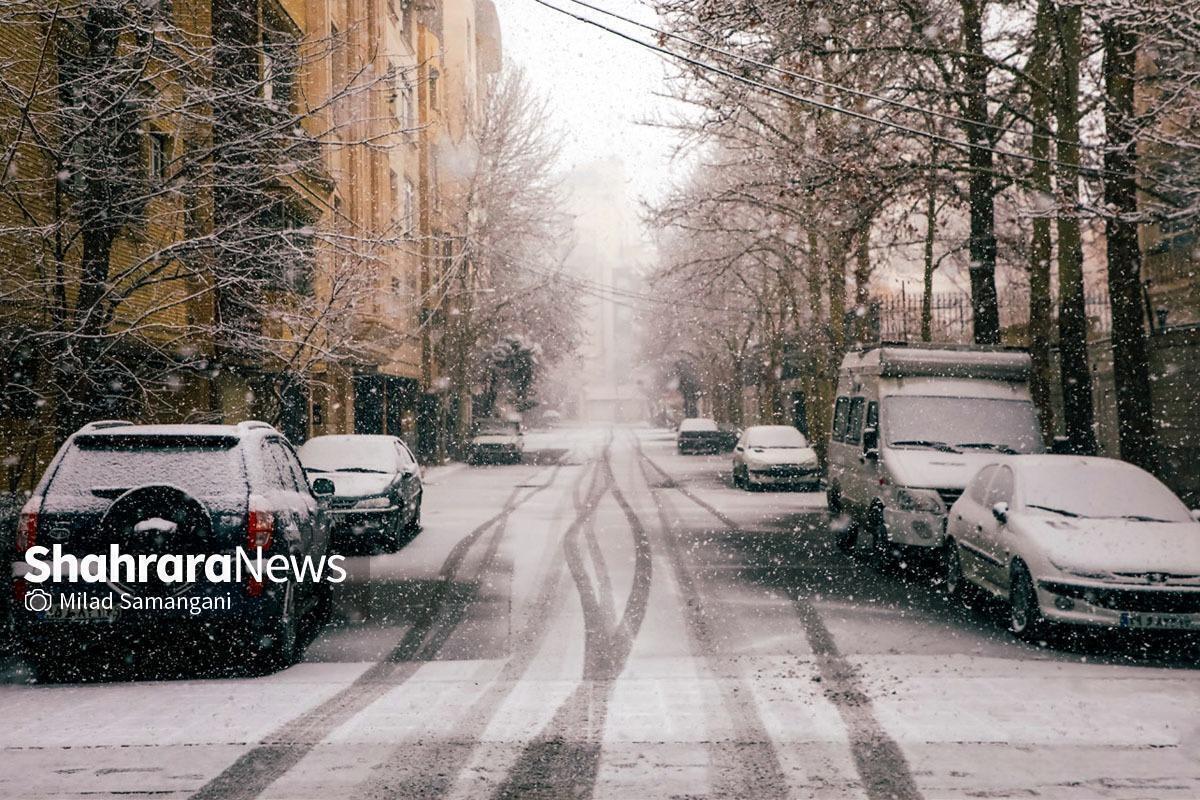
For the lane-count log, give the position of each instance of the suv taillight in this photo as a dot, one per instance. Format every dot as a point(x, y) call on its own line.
point(260, 529)
point(27, 524)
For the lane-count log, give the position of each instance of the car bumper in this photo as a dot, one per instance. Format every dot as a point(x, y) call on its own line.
point(699, 446)
point(1100, 605)
point(494, 452)
point(914, 528)
point(783, 476)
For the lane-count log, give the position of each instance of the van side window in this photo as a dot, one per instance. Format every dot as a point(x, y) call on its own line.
point(855, 420)
point(872, 415)
point(839, 418)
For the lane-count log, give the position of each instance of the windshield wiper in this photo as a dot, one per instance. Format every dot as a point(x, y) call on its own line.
point(362, 469)
point(1139, 518)
point(315, 469)
point(940, 446)
point(1000, 448)
point(1062, 511)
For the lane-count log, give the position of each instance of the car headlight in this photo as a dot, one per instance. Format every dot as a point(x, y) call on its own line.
point(373, 502)
point(919, 500)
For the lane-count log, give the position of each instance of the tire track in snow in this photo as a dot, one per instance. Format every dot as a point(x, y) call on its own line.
point(751, 768)
point(281, 750)
point(442, 763)
point(881, 764)
point(564, 759)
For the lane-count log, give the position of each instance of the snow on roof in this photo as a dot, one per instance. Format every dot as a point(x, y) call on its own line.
point(189, 429)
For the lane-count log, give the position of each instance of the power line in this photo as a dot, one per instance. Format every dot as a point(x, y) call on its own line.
point(825, 106)
point(820, 81)
point(814, 80)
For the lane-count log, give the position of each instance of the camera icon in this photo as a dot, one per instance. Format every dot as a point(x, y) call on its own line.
point(38, 600)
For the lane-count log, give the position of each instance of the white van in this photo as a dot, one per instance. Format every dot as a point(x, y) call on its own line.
point(911, 426)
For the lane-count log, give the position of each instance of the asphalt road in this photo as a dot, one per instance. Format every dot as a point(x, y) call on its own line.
point(613, 620)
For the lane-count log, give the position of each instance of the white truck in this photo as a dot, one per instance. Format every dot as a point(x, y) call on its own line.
point(911, 426)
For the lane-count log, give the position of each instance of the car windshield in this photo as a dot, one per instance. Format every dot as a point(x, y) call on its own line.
point(497, 427)
point(348, 454)
point(782, 436)
point(105, 465)
point(1106, 490)
point(961, 423)
point(697, 424)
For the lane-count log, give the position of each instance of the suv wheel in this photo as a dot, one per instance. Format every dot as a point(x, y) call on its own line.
point(284, 633)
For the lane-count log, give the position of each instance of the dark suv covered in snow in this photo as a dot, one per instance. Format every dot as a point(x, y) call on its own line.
point(158, 490)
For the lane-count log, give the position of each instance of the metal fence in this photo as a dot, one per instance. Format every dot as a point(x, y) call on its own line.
point(897, 317)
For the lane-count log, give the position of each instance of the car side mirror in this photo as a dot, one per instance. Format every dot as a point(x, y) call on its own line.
point(1000, 512)
point(1196, 514)
point(322, 488)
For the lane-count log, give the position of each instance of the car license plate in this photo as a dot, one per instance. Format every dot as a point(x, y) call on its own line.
point(1174, 622)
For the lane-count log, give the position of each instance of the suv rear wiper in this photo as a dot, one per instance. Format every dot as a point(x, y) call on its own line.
point(1064, 512)
point(1000, 448)
point(941, 446)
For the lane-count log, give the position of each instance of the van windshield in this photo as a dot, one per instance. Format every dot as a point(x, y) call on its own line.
point(961, 424)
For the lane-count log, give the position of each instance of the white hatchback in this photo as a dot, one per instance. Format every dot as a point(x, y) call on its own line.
point(773, 455)
point(1067, 539)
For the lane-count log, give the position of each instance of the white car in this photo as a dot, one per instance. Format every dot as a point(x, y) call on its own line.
point(1067, 539)
point(497, 440)
point(774, 455)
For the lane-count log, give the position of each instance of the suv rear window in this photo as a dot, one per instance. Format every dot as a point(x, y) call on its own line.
point(200, 465)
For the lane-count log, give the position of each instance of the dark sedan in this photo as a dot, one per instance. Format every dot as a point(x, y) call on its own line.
point(377, 488)
point(699, 435)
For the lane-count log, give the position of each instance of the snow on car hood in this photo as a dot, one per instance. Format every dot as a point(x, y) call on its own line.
point(782, 456)
point(932, 469)
point(357, 484)
point(495, 438)
point(1116, 545)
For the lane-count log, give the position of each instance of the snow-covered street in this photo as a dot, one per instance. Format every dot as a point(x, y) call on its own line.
point(613, 620)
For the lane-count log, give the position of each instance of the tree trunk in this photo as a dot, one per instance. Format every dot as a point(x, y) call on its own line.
point(1078, 412)
point(930, 235)
point(981, 189)
point(1040, 300)
point(862, 282)
point(1131, 367)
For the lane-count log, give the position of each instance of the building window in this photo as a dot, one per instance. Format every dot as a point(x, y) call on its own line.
point(279, 57)
point(160, 148)
point(410, 195)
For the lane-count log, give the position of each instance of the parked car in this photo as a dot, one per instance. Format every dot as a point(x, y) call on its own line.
point(774, 455)
point(174, 489)
point(497, 440)
point(1084, 541)
point(377, 488)
point(911, 425)
point(729, 436)
point(698, 435)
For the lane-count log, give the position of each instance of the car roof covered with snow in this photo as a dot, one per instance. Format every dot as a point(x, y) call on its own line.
point(698, 424)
